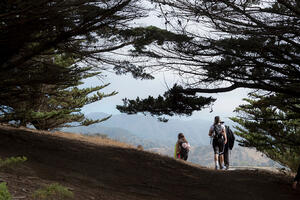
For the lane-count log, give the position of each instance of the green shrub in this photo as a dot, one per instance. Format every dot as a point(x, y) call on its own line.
point(4, 193)
point(12, 162)
point(54, 191)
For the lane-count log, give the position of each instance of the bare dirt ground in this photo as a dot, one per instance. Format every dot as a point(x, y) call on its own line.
point(107, 171)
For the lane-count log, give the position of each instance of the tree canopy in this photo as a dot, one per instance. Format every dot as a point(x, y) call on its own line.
point(84, 29)
point(234, 44)
point(36, 86)
point(86, 35)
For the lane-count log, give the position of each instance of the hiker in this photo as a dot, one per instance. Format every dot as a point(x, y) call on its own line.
point(228, 146)
point(218, 133)
point(182, 147)
point(296, 179)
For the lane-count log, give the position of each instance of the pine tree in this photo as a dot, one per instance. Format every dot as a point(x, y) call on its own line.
point(271, 127)
point(52, 106)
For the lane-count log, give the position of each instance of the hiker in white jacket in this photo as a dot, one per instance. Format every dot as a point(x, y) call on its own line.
point(218, 133)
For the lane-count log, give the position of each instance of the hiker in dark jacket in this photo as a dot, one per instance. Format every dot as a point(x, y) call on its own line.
point(218, 133)
point(228, 146)
point(297, 178)
point(182, 147)
point(225, 152)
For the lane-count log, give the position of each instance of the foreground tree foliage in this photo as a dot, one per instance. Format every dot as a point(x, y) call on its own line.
point(235, 44)
point(36, 87)
point(50, 106)
point(90, 31)
point(270, 126)
point(39, 88)
point(84, 28)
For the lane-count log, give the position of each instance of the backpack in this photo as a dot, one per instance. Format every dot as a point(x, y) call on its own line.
point(217, 131)
point(230, 137)
point(186, 146)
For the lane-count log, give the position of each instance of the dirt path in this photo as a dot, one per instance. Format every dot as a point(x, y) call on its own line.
point(94, 171)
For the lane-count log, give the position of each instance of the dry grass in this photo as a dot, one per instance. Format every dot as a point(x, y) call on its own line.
point(92, 139)
point(74, 136)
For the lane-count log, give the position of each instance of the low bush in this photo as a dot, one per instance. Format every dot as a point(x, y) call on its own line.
point(4, 193)
point(12, 162)
point(54, 191)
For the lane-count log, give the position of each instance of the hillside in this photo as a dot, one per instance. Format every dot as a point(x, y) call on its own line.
point(96, 169)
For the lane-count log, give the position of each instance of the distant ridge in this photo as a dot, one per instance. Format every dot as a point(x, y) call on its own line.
point(148, 127)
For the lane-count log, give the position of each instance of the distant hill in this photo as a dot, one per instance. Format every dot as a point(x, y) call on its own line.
point(149, 128)
point(118, 134)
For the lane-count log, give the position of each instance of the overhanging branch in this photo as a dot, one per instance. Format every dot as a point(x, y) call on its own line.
point(193, 91)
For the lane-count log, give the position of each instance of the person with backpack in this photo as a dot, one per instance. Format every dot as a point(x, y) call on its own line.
point(182, 147)
point(296, 179)
point(229, 145)
point(218, 134)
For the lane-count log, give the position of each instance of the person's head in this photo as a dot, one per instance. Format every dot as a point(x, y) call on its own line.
point(217, 120)
point(180, 135)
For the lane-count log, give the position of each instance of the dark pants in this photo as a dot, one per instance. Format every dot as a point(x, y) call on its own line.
point(297, 177)
point(183, 156)
point(218, 145)
point(226, 155)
